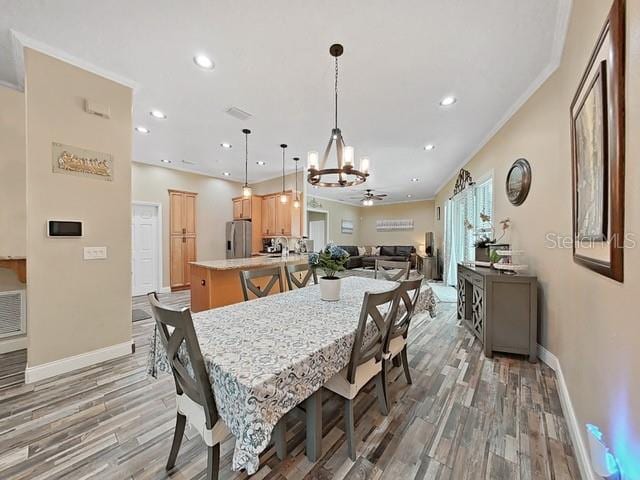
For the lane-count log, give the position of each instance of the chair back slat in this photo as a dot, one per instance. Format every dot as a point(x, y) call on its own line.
point(383, 265)
point(408, 294)
point(190, 377)
point(292, 279)
point(246, 277)
point(362, 353)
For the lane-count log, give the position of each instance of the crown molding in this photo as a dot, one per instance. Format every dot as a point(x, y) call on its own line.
point(21, 41)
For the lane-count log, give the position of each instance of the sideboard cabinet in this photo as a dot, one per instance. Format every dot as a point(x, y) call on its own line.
point(500, 309)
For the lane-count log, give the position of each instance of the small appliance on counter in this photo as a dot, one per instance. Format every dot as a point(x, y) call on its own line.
point(269, 245)
point(238, 239)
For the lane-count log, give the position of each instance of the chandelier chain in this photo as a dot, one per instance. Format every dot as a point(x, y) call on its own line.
point(336, 92)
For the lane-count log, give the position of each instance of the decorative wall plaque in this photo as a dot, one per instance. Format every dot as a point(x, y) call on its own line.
point(312, 202)
point(394, 225)
point(79, 161)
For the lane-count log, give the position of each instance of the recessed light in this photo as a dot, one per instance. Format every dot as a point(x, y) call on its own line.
point(429, 147)
point(415, 179)
point(226, 145)
point(203, 62)
point(165, 161)
point(142, 130)
point(157, 114)
point(409, 195)
point(447, 101)
point(261, 163)
point(226, 174)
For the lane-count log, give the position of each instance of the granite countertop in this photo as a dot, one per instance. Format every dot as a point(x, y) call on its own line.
point(260, 261)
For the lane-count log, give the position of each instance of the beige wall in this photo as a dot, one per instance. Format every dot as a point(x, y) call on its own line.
point(338, 212)
point(213, 207)
point(587, 320)
point(13, 200)
point(275, 184)
point(76, 306)
point(421, 213)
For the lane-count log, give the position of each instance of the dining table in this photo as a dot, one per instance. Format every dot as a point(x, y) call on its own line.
point(268, 355)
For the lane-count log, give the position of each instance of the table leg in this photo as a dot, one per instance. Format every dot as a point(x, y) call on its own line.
point(313, 407)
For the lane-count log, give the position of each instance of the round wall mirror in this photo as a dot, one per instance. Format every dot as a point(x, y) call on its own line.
point(518, 181)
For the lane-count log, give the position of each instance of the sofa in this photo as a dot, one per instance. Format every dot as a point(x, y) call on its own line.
point(396, 253)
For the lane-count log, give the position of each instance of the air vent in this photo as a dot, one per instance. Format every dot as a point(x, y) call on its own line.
point(237, 113)
point(12, 313)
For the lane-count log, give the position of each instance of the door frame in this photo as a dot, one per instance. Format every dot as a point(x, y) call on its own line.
point(159, 263)
point(327, 231)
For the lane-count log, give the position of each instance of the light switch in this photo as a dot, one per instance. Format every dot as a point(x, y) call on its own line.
point(95, 253)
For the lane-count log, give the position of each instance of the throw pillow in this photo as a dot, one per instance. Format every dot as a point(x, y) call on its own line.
point(376, 252)
point(362, 251)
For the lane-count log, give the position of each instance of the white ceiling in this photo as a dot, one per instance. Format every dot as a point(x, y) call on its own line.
point(272, 61)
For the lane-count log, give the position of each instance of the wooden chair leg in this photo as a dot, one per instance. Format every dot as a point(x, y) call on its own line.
point(349, 428)
point(405, 364)
point(178, 433)
point(213, 462)
point(383, 389)
point(279, 439)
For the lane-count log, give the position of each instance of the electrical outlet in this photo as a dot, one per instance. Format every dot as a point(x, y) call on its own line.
point(95, 253)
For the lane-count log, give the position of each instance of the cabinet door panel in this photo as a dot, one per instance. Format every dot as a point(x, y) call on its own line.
point(177, 269)
point(237, 209)
point(190, 214)
point(246, 208)
point(269, 215)
point(283, 216)
point(176, 212)
point(189, 249)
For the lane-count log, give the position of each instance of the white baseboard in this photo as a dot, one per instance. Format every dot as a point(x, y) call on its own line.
point(574, 426)
point(12, 344)
point(68, 364)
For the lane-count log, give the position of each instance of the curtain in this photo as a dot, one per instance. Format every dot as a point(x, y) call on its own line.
point(449, 270)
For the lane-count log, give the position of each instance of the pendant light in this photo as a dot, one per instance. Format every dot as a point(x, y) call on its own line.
point(346, 174)
point(246, 189)
point(296, 202)
point(283, 195)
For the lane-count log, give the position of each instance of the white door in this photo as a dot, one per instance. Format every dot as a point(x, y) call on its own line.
point(145, 249)
point(317, 233)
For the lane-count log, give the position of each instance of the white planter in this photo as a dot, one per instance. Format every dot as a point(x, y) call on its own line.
point(330, 289)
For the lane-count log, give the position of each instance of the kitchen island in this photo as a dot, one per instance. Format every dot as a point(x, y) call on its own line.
point(216, 283)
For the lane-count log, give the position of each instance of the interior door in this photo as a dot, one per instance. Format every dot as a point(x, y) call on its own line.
point(318, 233)
point(145, 249)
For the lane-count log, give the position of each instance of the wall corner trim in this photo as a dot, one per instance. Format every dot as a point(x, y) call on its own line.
point(75, 362)
point(582, 457)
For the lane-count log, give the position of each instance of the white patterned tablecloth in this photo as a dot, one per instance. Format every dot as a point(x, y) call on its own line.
point(268, 355)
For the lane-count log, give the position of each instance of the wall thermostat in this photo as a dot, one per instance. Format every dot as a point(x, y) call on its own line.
point(64, 228)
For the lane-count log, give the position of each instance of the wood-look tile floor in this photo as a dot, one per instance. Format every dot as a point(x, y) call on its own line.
point(464, 417)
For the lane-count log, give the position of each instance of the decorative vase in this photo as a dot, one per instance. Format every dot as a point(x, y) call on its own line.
point(330, 289)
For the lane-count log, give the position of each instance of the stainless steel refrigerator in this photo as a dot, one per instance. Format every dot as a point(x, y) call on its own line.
point(238, 239)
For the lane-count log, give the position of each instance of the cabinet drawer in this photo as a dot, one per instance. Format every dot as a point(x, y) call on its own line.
point(477, 280)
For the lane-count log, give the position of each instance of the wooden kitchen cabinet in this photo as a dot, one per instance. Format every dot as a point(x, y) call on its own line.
point(283, 216)
point(269, 215)
point(182, 237)
point(243, 208)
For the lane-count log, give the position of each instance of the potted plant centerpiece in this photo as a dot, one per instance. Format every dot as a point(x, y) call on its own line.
point(331, 260)
point(487, 243)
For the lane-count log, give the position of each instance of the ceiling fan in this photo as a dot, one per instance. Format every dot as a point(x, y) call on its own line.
point(367, 197)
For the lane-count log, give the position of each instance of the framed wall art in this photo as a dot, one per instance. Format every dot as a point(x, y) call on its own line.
point(597, 152)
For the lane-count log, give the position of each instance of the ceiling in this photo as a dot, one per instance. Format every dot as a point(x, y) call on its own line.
point(271, 60)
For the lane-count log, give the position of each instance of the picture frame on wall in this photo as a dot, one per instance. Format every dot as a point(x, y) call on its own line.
point(597, 152)
point(346, 227)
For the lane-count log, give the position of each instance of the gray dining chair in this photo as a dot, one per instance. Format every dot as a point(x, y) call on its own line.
point(395, 343)
point(292, 279)
point(383, 265)
point(195, 400)
point(365, 362)
point(194, 397)
point(247, 276)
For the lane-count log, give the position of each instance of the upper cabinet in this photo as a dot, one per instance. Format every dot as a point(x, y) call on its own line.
point(243, 207)
point(269, 215)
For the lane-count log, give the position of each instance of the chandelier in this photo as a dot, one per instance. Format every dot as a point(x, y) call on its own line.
point(345, 175)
